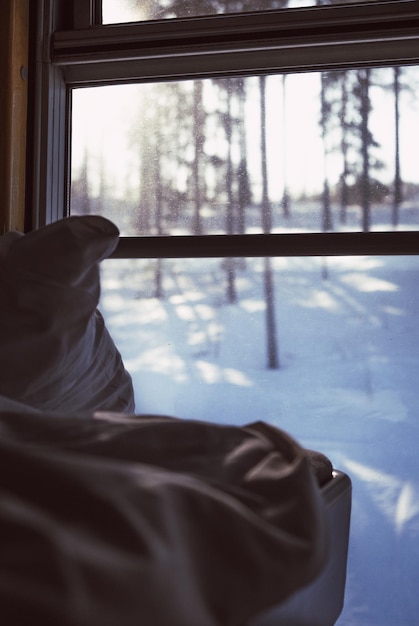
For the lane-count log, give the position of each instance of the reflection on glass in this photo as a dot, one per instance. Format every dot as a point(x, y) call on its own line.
point(118, 11)
point(305, 152)
point(347, 340)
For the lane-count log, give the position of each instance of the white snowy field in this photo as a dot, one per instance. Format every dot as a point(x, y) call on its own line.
point(348, 384)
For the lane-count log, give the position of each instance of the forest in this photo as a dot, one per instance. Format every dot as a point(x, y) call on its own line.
point(200, 154)
point(212, 156)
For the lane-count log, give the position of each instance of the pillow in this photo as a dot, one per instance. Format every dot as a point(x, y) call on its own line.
point(55, 351)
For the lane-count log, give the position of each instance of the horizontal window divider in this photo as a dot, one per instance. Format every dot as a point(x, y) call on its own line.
point(321, 21)
point(272, 245)
point(300, 58)
point(286, 39)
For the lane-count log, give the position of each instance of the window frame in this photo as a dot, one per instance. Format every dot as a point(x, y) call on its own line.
point(73, 49)
point(14, 18)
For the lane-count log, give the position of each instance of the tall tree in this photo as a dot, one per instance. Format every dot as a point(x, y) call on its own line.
point(271, 335)
point(325, 108)
point(344, 145)
point(232, 165)
point(199, 138)
point(285, 202)
point(157, 144)
point(399, 86)
point(367, 143)
point(397, 193)
point(364, 78)
point(228, 126)
point(244, 191)
point(338, 85)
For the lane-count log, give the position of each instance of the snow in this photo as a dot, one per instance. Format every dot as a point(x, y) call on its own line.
point(347, 385)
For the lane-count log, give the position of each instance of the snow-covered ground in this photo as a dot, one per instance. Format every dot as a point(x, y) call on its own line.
point(348, 385)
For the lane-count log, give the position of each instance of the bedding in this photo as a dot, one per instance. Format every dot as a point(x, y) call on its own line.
point(107, 517)
point(114, 519)
point(55, 350)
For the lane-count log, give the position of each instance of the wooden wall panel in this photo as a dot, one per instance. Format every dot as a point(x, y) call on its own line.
point(14, 22)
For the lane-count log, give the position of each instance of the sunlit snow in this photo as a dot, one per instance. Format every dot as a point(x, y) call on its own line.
point(348, 385)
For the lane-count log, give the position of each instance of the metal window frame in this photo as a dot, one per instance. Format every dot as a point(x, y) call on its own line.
point(73, 50)
point(286, 40)
point(274, 245)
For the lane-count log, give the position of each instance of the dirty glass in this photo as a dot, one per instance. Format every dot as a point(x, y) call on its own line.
point(331, 151)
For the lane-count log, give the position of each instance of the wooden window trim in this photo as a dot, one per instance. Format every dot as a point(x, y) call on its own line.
point(14, 24)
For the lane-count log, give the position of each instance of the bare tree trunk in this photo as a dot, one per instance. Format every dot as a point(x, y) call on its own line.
point(231, 282)
point(272, 343)
point(158, 286)
point(364, 80)
point(344, 195)
point(326, 213)
point(146, 177)
point(285, 195)
point(244, 194)
point(199, 143)
point(266, 205)
point(397, 198)
point(272, 346)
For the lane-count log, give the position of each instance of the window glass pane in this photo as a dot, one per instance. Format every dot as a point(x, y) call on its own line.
point(118, 11)
point(331, 151)
point(194, 336)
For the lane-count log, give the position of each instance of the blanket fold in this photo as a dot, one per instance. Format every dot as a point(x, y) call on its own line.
point(114, 519)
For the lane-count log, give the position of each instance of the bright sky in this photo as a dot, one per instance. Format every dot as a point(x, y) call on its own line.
point(104, 122)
